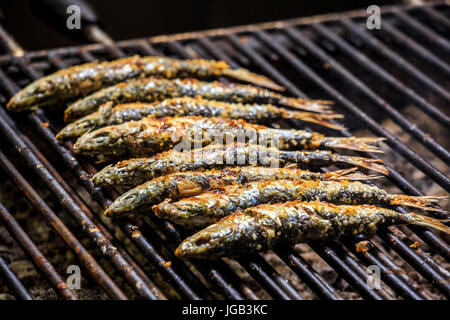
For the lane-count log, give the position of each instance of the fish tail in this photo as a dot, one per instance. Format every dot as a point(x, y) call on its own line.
point(247, 76)
point(368, 163)
point(429, 222)
point(320, 106)
point(353, 143)
point(423, 202)
point(349, 174)
point(320, 119)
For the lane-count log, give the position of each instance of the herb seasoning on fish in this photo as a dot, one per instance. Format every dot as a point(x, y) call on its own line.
point(266, 227)
point(185, 184)
point(204, 209)
point(156, 88)
point(108, 114)
point(133, 172)
point(83, 79)
point(151, 135)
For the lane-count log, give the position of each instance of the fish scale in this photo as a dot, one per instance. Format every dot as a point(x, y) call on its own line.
point(272, 226)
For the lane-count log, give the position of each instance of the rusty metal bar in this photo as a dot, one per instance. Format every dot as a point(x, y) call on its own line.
point(416, 48)
point(367, 63)
point(427, 235)
point(87, 261)
point(91, 229)
point(399, 62)
point(266, 40)
point(425, 31)
point(39, 260)
point(71, 161)
point(12, 282)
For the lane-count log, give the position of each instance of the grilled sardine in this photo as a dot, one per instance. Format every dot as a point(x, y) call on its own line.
point(133, 172)
point(108, 114)
point(266, 227)
point(151, 135)
point(83, 79)
point(185, 184)
point(204, 209)
point(157, 89)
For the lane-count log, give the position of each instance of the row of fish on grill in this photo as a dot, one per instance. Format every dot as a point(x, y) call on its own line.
point(137, 110)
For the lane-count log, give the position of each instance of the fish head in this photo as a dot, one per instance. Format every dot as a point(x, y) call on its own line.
point(105, 142)
point(230, 235)
point(133, 202)
point(38, 94)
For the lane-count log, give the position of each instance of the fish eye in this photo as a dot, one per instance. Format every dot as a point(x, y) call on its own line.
point(202, 240)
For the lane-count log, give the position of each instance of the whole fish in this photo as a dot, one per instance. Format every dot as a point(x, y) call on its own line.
point(80, 80)
point(185, 184)
point(204, 209)
point(282, 225)
point(157, 88)
point(133, 172)
point(151, 135)
point(108, 114)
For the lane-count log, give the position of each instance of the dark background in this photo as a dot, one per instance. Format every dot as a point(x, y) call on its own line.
point(127, 19)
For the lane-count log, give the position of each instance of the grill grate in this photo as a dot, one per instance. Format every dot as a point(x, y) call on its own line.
point(303, 58)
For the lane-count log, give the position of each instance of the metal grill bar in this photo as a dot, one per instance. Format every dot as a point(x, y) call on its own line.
point(79, 215)
point(416, 48)
point(39, 260)
point(262, 63)
point(365, 62)
point(249, 51)
point(51, 140)
point(268, 69)
point(87, 261)
point(394, 58)
point(267, 41)
point(436, 16)
point(13, 283)
point(396, 144)
point(400, 119)
point(219, 275)
point(423, 30)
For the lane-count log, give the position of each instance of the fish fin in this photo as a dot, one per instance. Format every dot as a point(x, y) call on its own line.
point(433, 223)
point(349, 174)
point(353, 143)
point(320, 119)
point(319, 106)
point(421, 202)
point(247, 76)
point(368, 163)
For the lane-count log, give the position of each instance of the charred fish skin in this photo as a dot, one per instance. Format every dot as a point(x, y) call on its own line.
point(133, 172)
point(83, 79)
point(151, 135)
point(140, 199)
point(282, 225)
point(108, 114)
point(156, 88)
point(208, 207)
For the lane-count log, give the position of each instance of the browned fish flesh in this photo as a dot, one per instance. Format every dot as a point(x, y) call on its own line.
point(157, 89)
point(151, 135)
point(283, 225)
point(108, 114)
point(80, 80)
point(133, 172)
point(204, 209)
point(140, 199)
